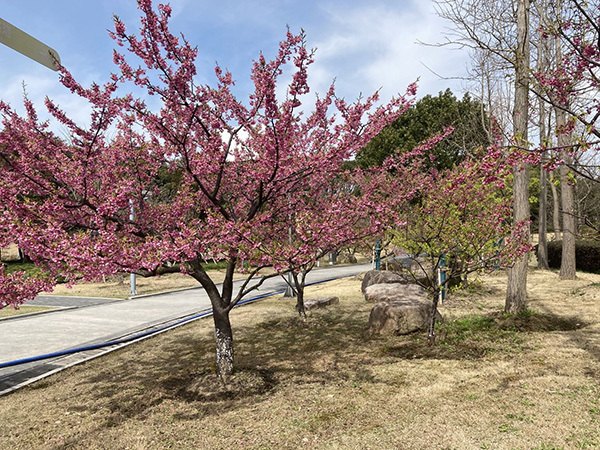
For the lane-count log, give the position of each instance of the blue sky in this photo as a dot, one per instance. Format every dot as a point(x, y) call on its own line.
point(364, 45)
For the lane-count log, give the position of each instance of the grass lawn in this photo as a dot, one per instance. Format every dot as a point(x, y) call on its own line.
point(529, 382)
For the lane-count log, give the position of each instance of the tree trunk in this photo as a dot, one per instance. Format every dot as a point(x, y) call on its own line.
point(542, 254)
point(555, 212)
point(435, 299)
point(516, 292)
point(567, 262)
point(221, 303)
point(23, 257)
point(543, 65)
point(300, 301)
point(224, 341)
point(299, 282)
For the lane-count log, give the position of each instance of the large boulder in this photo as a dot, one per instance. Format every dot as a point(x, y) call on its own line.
point(382, 277)
point(400, 316)
point(393, 291)
point(321, 302)
point(399, 308)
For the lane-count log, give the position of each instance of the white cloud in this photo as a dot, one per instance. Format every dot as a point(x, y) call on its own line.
point(375, 46)
point(363, 45)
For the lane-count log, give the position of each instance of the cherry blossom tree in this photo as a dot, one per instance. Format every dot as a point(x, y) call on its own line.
point(16, 287)
point(573, 85)
point(93, 205)
point(342, 212)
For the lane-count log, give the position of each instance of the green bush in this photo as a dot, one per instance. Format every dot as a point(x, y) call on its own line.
point(587, 255)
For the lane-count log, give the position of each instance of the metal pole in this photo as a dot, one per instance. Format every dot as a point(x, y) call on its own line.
point(289, 290)
point(132, 277)
point(442, 281)
point(333, 257)
point(377, 255)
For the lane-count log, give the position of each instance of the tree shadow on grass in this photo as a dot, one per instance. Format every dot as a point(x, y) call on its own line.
point(141, 377)
point(332, 347)
point(476, 336)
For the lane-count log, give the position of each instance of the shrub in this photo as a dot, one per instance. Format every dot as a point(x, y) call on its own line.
point(587, 255)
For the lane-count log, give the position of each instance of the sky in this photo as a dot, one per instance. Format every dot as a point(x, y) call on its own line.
point(363, 45)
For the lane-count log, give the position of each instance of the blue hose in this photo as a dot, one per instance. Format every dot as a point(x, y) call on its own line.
point(142, 334)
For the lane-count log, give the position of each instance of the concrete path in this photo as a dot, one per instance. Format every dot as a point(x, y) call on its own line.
point(87, 322)
point(68, 301)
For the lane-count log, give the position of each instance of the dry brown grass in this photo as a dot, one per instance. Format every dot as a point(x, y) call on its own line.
point(8, 312)
point(119, 287)
point(530, 382)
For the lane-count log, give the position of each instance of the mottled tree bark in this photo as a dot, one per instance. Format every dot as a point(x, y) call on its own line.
point(299, 280)
point(221, 306)
point(516, 291)
point(224, 341)
point(567, 194)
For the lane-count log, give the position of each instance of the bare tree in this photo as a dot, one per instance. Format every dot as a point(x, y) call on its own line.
point(543, 116)
point(567, 193)
point(516, 291)
point(499, 30)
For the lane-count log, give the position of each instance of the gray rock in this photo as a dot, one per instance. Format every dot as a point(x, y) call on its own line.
point(393, 291)
point(400, 316)
point(381, 277)
point(321, 302)
point(399, 308)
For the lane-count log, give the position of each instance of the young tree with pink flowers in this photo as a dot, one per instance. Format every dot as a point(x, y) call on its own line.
point(458, 221)
point(327, 216)
point(91, 206)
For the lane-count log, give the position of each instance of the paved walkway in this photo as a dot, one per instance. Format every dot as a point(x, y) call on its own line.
point(68, 301)
point(87, 322)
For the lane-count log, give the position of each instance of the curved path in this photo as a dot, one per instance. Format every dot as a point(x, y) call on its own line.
point(85, 322)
